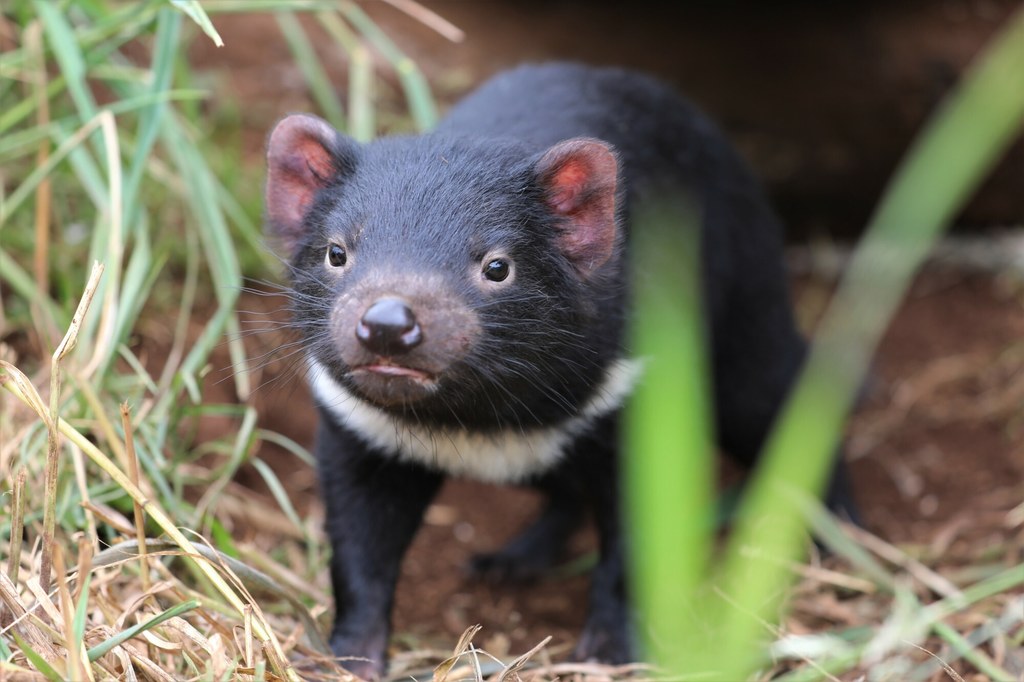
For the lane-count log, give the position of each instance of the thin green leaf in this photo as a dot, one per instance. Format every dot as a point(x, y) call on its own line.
point(286, 443)
point(66, 49)
point(196, 13)
point(361, 95)
point(417, 91)
point(218, 247)
point(222, 540)
point(246, 227)
point(948, 160)
point(278, 491)
point(36, 659)
point(828, 530)
point(25, 107)
point(361, 122)
point(139, 278)
point(229, 6)
point(81, 612)
point(165, 50)
point(320, 85)
point(87, 172)
point(1005, 581)
point(239, 359)
point(669, 477)
point(137, 367)
point(976, 657)
point(121, 637)
point(21, 142)
point(29, 185)
point(25, 286)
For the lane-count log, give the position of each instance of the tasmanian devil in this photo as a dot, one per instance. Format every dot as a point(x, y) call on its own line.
point(462, 297)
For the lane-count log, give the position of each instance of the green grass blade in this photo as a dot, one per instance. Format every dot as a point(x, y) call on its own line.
point(278, 491)
point(222, 540)
point(24, 108)
point(138, 368)
point(244, 440)
point(1004, 581)
point(219, 250)
point(86, 171)
point(109, 20)
point(66, 49)
point(319, 84)
point(960, 143)
point(231, 6)
point(81, 612)
point(25, 286)
point(196, 13)
point(247, 228)
point(669, 476)
point(415, 86)
point(362, 125)
point(828, 531)
point(360, 95)
point(201, 194)
point(165, 50)
point(417, 91)
point(975, 656)
point(287, 444)
point(123, 636)
point(21, 143)
point(139, 278)
point(29, 185)
point(36, 659)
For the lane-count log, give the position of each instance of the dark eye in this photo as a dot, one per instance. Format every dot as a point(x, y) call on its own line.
point(336, 256)
point(497, 269)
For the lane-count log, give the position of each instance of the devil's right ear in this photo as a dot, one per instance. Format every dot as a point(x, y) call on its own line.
point(304, 155)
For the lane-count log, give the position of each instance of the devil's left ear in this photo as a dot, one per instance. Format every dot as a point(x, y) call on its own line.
point(580, 181)
point(304, 155)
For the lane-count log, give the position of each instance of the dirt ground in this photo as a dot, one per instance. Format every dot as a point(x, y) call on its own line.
point(936, 449)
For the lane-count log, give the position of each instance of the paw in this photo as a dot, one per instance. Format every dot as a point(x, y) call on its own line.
point(507, 567)
point(364, 657)
point(605, 643)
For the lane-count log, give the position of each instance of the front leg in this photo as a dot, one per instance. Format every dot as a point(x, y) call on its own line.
point(607, 633)
point(538, 548)
point(374, 505)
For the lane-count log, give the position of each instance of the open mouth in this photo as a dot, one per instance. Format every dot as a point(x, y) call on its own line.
point(389, 370)
point(390, 385)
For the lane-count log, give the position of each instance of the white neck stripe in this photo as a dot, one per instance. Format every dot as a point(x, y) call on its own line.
point(506, 456)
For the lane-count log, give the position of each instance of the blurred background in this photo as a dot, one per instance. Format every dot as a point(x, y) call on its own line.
point(821, 98)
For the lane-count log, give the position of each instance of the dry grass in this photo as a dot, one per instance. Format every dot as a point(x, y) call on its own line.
point(183, 609)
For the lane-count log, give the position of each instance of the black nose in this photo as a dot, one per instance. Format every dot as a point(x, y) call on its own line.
point(388, 327)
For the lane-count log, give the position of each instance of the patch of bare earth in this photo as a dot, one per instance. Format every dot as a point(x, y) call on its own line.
point(935, 448)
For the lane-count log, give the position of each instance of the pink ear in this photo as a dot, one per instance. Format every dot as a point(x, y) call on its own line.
point(299, 163)
point(580, 177)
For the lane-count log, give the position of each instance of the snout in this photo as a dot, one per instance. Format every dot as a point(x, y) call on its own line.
point(399, 337)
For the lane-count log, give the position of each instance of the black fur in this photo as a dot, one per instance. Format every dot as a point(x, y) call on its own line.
point(439, 203)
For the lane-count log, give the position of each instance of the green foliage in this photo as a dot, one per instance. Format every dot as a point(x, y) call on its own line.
point(719, 628)
point(138, 183)
point(112, 151)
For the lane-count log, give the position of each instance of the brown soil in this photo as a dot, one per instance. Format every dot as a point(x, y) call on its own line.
point(935, 451)
point(822, 98)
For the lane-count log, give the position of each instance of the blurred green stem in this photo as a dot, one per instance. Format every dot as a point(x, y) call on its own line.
point(946, 163)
